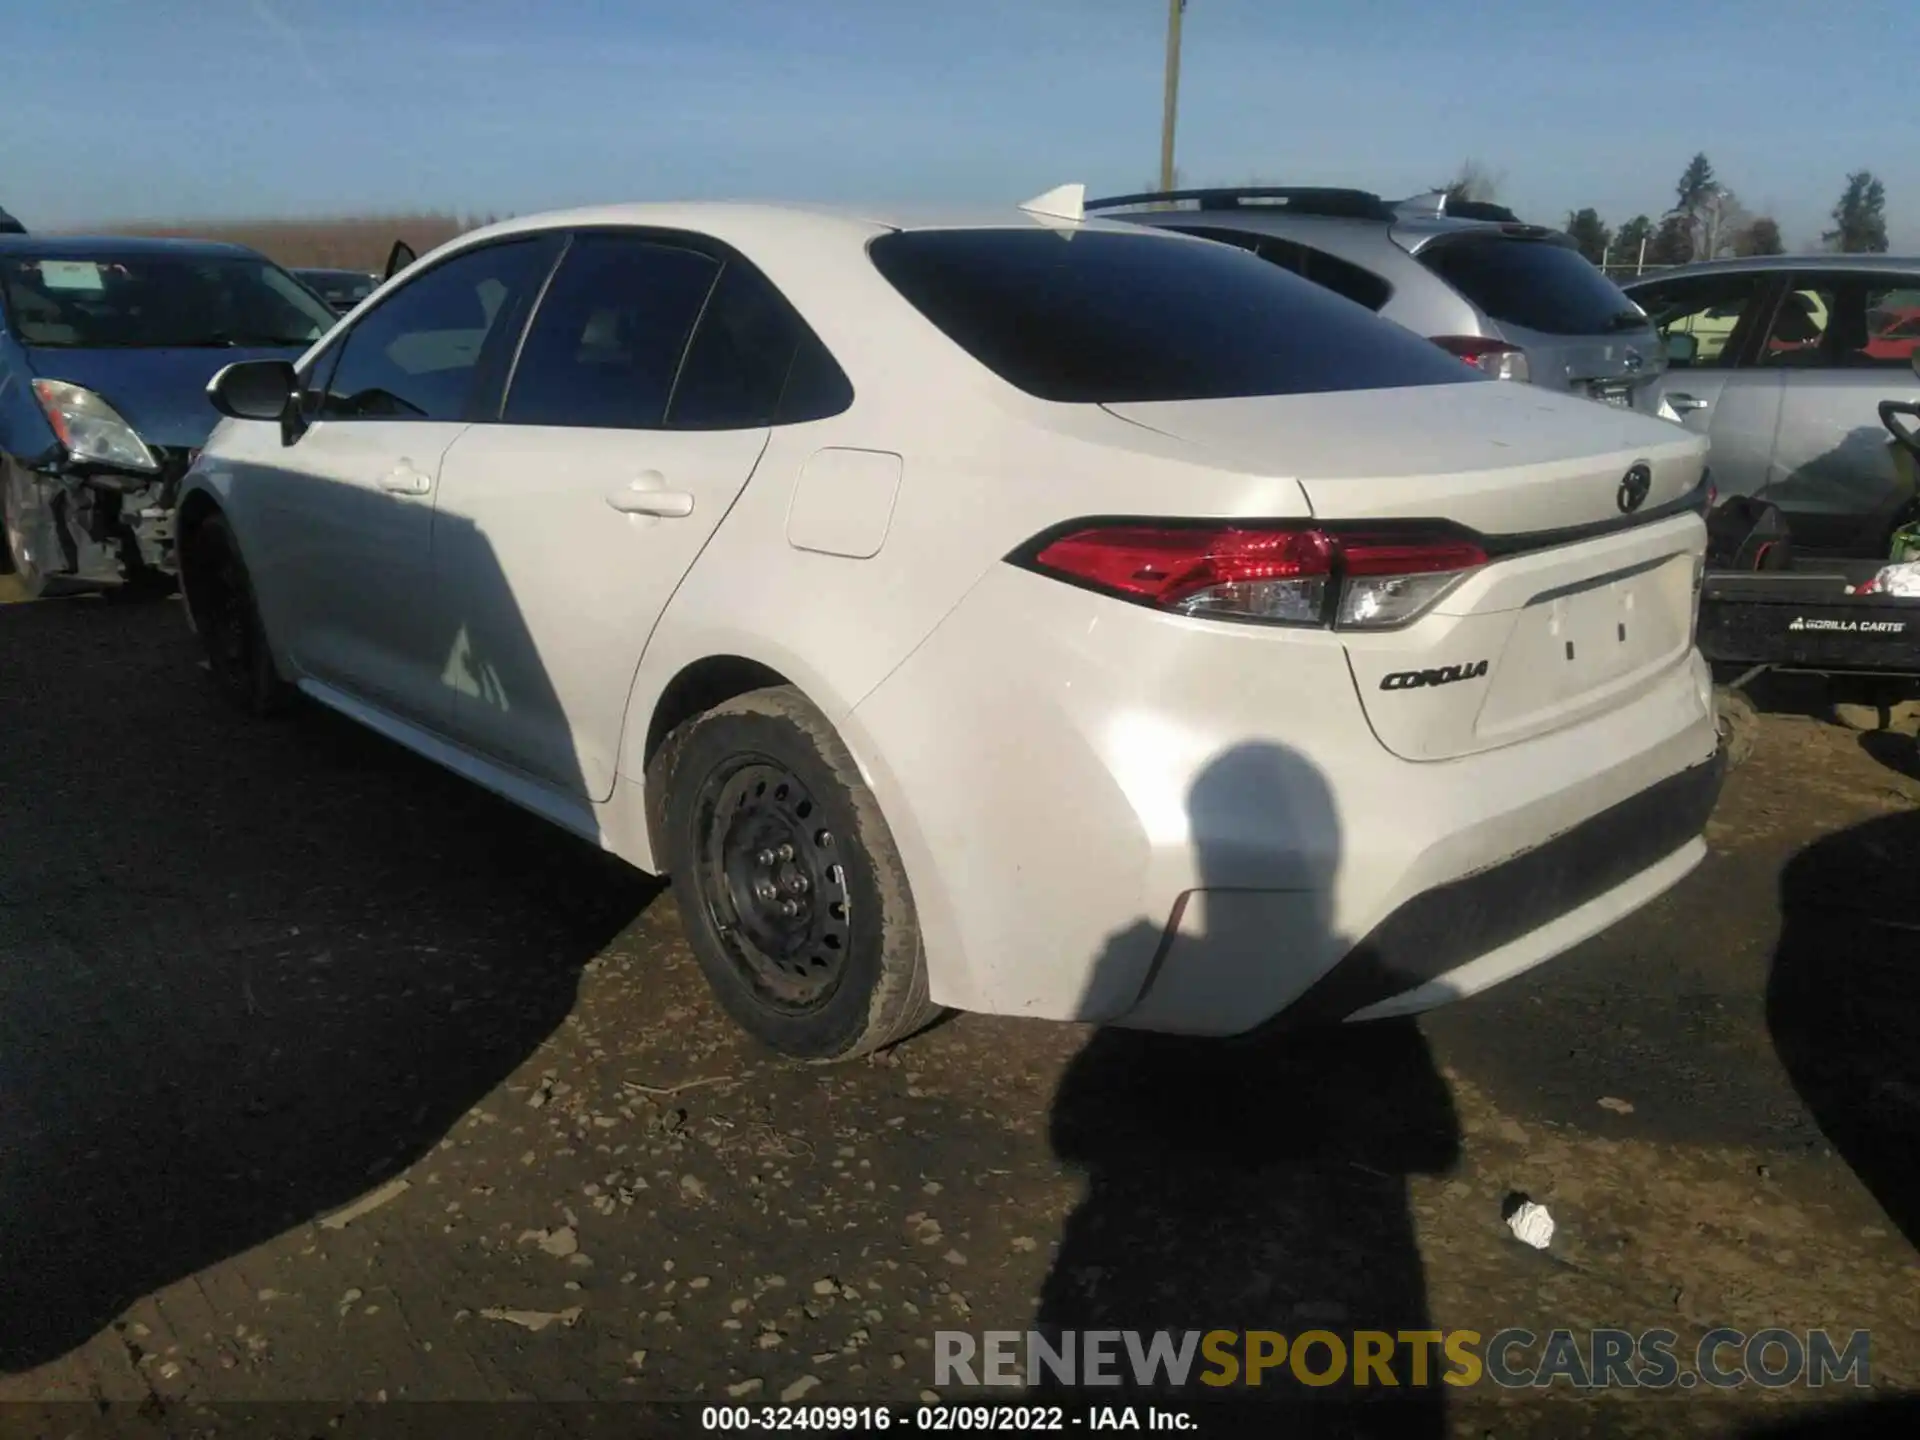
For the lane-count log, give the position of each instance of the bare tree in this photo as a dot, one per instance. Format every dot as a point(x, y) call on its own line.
point(1474, 181)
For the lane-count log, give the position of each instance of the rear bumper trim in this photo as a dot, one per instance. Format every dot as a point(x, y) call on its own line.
point(1452, 924)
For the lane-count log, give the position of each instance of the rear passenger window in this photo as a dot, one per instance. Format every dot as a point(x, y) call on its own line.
point(1330, 272)
point(743, 358)
point(1844, 322)
point(607, 342)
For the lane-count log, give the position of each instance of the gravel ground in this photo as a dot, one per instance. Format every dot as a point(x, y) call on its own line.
point(253, 975)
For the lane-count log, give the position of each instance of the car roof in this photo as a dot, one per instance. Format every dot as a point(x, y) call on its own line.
point(756, 222)
point(1777, 263)
point(86, 247)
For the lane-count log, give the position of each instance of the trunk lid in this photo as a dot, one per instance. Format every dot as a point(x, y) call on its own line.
point(1582, 606)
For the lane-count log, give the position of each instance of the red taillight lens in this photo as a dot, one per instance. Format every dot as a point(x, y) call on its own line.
point(1491, 357)
point(1285, 576)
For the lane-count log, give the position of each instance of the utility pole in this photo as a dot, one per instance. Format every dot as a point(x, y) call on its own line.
point(1174, 11)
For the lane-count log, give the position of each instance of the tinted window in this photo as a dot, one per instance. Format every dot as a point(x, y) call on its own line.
point(816, 386)
point(739, 358)
point(157, 301)
point(418, 355)
point(1095, 316)
point(1845, 321)
point(1704, 319)
point(1534, 284)
point(607, 340)
point(1357, 283)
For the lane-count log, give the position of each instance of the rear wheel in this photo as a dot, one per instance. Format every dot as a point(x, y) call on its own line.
point(791, 891)
point(220, 595)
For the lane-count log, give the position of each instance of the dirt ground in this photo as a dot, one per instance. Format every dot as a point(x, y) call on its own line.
point(252, 974)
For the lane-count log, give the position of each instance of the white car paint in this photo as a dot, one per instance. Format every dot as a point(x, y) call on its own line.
point(1043, 754)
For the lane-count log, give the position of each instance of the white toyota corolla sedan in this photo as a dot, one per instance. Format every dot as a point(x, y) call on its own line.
point(1005, 612)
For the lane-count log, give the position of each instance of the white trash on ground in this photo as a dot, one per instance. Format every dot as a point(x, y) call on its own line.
point(1532, 1223)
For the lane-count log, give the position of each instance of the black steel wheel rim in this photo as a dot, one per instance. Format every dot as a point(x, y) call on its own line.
point(773, 883)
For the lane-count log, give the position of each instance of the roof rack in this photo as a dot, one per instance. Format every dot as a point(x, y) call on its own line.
point(1301, 199)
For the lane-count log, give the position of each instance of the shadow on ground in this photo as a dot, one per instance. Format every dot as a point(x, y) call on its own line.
point(1841, 1002)
point(247, 971)
point(1260, 1184)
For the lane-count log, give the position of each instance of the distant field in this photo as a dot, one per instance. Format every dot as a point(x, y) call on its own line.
point(356, 242)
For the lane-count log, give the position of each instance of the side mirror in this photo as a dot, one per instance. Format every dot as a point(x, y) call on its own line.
point(398, 258)
point(1682, 348)
point(254, 389)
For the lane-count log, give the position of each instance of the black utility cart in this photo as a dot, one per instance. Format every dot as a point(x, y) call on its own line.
point(1766, 605)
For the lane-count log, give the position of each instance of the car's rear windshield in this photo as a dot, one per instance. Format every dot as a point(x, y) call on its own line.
point(1535, 284)
point(1099, 317)
point(135, 301)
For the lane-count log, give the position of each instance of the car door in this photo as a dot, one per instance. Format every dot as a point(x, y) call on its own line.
point(1833, 470)
point(1710, 326)
point(339, 541)
point(641, 402)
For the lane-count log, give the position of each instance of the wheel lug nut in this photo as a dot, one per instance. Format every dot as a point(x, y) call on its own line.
point(789, 908)
point(799, 884)
point(764, 890)
point(785, 852)
point(765, 857)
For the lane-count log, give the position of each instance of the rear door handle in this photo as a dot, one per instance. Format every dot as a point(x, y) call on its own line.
point(640, 498)
point(1685, 404)
point(403, 479)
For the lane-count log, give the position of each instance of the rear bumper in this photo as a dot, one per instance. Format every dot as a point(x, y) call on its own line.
point(1116, 816)
point(1405, 963)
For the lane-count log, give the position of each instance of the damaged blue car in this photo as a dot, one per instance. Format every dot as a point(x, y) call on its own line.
point(106, 348)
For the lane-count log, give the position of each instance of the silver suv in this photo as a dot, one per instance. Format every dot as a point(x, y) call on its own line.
point(1518, 301)
point(1782, 362)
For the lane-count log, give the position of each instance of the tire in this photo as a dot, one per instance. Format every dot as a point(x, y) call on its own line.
point(30, 580)
point(1738, 723)
point(220, 595)
point(844, 973)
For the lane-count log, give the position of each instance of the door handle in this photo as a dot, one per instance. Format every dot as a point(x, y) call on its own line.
point(1685, 404)
point(640, 498)
point(403, 479)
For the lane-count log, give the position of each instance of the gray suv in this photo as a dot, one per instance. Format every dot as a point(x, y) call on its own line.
point(1782, 362)
point(1517, 301)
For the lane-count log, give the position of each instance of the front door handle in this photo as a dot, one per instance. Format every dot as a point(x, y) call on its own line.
point(642, 498)
point(403, 479)
point(1685, 404)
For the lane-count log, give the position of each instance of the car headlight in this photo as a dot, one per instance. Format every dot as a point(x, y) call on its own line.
point(90, 428)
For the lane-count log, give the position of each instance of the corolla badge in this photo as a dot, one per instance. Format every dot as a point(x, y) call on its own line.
point(1634, 487)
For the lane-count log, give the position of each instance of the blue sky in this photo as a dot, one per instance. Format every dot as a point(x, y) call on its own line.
point(130, 109)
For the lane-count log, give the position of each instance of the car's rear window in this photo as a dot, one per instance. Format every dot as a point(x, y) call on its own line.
point(1534, 284)
point(1100, 317)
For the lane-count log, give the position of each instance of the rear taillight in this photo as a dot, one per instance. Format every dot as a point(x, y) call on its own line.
point(1280, 575)
point(1491, 357)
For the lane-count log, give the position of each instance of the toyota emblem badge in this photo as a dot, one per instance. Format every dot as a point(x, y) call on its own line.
point(1634, 486)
